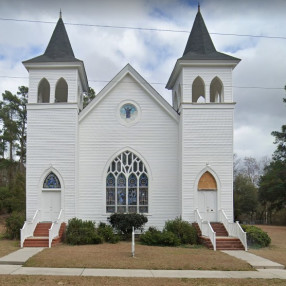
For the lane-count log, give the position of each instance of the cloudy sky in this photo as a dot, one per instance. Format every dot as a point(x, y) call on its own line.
point(99, 34)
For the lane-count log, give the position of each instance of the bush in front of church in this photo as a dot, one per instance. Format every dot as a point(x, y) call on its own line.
point(123, 223)
point(176, 232)
point(81, 232)
point(107, 233)
point(256, 237)
point(154, 236)
point(185, 232)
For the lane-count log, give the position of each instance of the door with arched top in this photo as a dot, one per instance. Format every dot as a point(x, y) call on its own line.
point(50, 198)
point(207, 197)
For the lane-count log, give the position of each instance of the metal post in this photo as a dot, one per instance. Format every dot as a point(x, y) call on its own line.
point(133, 242)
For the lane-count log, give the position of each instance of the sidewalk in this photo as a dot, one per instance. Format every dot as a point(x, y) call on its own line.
point(10, 265)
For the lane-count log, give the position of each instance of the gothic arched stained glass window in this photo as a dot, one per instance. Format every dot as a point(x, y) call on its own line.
point(52, 182)
point(127, 185)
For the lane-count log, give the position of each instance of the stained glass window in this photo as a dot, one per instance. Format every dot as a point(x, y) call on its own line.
point(52, 182)
point(127, 185)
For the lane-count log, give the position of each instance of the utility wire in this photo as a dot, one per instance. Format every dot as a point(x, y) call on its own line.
point(142, 29)
point(162, 83)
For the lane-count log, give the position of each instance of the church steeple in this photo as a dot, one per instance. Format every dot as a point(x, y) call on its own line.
point(199, 45)
point(59, 48)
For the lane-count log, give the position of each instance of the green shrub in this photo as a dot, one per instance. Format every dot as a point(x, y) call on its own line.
point(155, 237)
point(13, 225)
point(107, 233)
point(81, 232)
point(123, 223)
point(256, 237)
point(185, 232)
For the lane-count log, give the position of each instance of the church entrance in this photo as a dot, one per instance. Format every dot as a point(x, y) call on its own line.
point(207, 196)
point(50, 205)
point(208, 205)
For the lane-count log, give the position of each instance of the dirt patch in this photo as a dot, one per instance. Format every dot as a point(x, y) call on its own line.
point(146, 257)
point(9, 280)
point(277, 250)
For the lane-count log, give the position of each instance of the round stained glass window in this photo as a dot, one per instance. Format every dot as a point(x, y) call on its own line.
point(128, 112)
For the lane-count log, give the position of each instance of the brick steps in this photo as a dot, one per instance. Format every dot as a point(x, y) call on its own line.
point(223, 241)
point(40, 237)
point(219, 229)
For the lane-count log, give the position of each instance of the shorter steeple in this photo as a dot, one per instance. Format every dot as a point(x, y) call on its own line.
point(59, 48)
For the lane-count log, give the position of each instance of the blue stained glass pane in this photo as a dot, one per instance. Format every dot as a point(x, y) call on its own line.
point(132, 197)
point(143, 181)
point(121, 181)
point(132, 181)
point(121, 196)
point(52, 182)
point(110, 196)
point(110, 181)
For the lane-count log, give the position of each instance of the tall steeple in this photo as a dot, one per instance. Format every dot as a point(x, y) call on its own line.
point(199, 45)
point(59, 48)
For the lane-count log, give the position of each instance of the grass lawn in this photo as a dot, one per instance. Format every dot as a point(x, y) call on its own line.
point(146, 257)
point(8, 280)
point(277, 250)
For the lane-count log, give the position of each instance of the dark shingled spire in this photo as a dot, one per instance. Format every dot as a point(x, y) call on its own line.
point(59, 48)
point(200, 45)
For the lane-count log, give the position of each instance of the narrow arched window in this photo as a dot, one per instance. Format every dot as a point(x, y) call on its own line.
point(52, 182)
point(61, 94)
point(216, 91)
point(127, 185)
point(44, 91)
point(207, 182)
point(198, 90)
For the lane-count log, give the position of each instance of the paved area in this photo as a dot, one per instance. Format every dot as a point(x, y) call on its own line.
point(261, 273)
point(11, 264)
point(254, 260)
point(20, 256)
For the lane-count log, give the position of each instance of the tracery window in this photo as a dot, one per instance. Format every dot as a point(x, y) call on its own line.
point(127, 185)
point(52, 182)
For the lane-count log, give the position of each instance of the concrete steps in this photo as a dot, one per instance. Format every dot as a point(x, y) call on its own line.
point(40, 237)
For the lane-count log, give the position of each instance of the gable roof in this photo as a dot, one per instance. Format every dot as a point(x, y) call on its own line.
point(200, 46)
point(59, 48)
point(129, 70)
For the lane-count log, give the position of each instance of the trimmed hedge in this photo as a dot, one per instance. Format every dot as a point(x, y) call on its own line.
point(123, 223)
point(256, 237)
point(81, 232)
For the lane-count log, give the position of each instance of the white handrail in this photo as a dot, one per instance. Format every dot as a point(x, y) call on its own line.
point(55, 228)
point(206, 228)
point(233, 228)
point(29, 227)
point(209, 232)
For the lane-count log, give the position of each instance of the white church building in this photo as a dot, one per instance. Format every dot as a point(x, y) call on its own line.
point(129, 150)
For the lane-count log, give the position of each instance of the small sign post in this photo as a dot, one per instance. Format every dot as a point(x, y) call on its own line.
point(133, 242)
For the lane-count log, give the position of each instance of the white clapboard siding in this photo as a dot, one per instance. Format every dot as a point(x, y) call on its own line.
point(207, 142)
point(154, 138)
point(51, 143)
